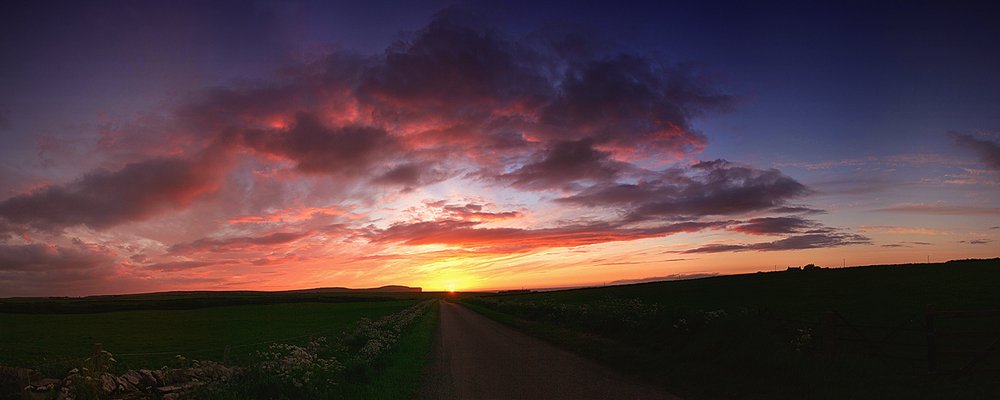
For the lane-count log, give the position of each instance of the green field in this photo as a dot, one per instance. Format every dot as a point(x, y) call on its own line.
point(765, 336)
point(54, 335)
point(31, 340)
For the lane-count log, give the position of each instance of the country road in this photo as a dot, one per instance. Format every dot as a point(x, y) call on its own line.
point(478, 358)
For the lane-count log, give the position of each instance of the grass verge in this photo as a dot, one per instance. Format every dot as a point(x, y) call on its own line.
point(399, 376)
point(377, 360)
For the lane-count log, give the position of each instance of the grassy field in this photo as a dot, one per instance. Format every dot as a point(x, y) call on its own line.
point(370, 345)
point(33, 340)
point(771, 335)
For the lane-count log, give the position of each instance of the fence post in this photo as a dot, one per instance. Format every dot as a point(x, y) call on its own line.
point(931, 341)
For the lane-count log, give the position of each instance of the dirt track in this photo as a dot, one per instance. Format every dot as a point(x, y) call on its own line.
point(478, 358)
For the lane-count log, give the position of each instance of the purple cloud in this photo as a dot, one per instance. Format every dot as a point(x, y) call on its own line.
point(988, 151)
point(775, 225)
point(707, 188)
point(102, 199)
point(799, 242)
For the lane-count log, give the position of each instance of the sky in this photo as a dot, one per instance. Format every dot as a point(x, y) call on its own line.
point(215, 145)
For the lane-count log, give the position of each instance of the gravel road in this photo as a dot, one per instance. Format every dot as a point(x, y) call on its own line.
point(478, 358)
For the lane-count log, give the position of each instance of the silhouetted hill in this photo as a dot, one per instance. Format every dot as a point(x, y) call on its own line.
point(184, 300)
point(387, 289)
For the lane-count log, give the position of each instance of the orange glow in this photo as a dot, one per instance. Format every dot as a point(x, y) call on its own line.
point(278, 123)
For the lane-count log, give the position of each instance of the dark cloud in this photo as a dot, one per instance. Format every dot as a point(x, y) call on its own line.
point(797, 210)
point(988, 151)
point(102, 199)
point(718, 248)
point(625, 99)
point(7, 230)
point(859, 184)
point(411, 175)
point(451, 69)
point(32, 268)
point(799, 242)
point(475, 212)
point(707, 188)
point(238, 243)
point(976, 241)
point(907, 244)
point(175, 266)
point(36, 257)
point(325, 86)
point(467, 234)
point(406, 174)
point(565, 163)
point(316, 148)
point(775, 225)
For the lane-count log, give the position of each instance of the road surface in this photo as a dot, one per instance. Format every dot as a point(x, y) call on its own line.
point(478, 358)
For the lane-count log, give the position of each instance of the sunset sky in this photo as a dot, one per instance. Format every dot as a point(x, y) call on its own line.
point(190, 145)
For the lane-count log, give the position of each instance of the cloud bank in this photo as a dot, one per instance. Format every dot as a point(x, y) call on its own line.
point(548, 143)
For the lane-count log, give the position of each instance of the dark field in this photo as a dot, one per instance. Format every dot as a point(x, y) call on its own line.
point(830, 333)
point(157, 336)
point(190, 300)
point(200, 326)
